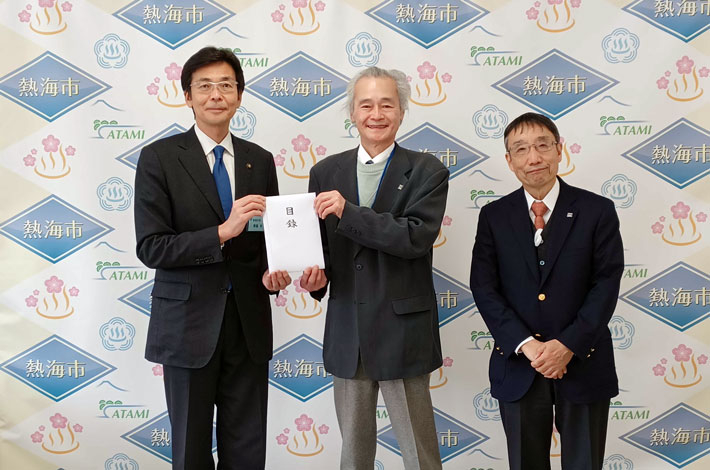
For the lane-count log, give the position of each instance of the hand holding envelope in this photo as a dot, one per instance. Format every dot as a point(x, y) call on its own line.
point(292, 234)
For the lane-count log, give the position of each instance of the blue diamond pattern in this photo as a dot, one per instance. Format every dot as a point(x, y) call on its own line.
point(453, 298)
point(454, 437)
point(455, 154)
point(167, 30)
point(682, 26)
point(680, 317)
point(300, 65)
point(286, 375)
point(139, 298)
point(52, 67)
point(679, 174)
point(62, 213)
point(79, 368)
point(555, 63)
point(649, 436)
point(142, 436)
point(130, 157)
point(427, 33)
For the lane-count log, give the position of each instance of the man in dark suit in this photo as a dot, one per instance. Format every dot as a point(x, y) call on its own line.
point(382, 207)
point(210, 324)
point(545, 275)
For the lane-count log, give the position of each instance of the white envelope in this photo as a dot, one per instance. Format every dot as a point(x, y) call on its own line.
point(292, 233)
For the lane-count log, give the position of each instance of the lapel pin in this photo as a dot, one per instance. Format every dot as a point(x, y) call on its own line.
point(399, 188)
point(569, 215)
point(248, 166)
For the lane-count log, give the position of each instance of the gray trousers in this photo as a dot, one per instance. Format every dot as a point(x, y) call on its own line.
point(409, 407)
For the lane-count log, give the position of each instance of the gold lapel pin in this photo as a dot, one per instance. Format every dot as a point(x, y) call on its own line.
point(248, 166)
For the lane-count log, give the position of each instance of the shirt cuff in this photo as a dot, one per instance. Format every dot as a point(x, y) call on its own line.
point(518, 350)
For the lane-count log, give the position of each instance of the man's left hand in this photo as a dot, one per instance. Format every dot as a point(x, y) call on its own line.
point(552, 359)
point(277, 280)
point(329, 202)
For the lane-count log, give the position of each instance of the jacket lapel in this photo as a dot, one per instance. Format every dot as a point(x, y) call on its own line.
point(562, 219)
point(345, 177)
point(393, 181)
point(520, 227)
point(243, 168)
point(192, 158)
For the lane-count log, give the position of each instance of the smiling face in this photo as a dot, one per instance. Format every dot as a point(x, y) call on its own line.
point(536, 170)
point(213, 110)
point(376, 113)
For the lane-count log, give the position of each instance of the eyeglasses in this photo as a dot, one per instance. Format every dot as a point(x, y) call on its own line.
point(522, 150)
point(206, 87)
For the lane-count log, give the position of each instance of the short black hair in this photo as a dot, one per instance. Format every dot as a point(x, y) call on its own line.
point(530, 119)
point(210, 55)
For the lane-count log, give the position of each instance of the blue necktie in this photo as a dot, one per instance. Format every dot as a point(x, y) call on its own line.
point(221, 177)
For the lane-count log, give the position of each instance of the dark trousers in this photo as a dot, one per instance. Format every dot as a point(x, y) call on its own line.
point(238, 387)
point(528, 429)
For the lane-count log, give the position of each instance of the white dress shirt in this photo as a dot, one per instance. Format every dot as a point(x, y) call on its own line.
point(208, 146)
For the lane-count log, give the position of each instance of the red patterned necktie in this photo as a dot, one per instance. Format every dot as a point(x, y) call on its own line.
point(539, 209)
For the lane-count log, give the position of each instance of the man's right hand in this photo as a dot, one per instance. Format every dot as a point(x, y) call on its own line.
point(313, 278)
point(243, 209)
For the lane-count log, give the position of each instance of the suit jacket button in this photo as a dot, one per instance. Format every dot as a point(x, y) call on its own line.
point(497, 348)
point(538, 335)
point(589, 355)
point(358, 267)
point(541, 297)
point(592, 349)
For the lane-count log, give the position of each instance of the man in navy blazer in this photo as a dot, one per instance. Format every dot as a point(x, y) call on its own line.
point(545, 274)
point(210, 323)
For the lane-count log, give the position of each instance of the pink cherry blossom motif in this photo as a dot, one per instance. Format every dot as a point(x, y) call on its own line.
point(282, 151)
point(664, 361)
point(66, 6)
point(409, 79)
point(575, 3)
point(74, 291)
point(320, 6)
point(152, 89)
point(704, 72)
point(667, 73)
point(701, 217)
point(282, 439)
point(301, 143)
point(24, 17)
point(287, 430)
point(532, 13)
point(448, 362)
point(51, 143)
point(279, 160)
point(37, 437)
point(297, 283)
point(277, 16)
point(41, 428)
point(320, 150)
point(299, 3)
point(28, 6)
point(537, 4)
point(575, 148)
point(680, 211)
point(156, 79)
point(685, 64)
point(323, 429)
point(35, 292)
point(657, 227)
point(554, 2)
point(282, 6)
point(46, 3)
point(58, 421)
point(173, 71)
point(29, 160)
point(659, 370)
point(702, 359)
point(662, 218)
point(446, 78)
point(662, 83)
point(70, 151)
point(31, 301)
point(158, 370)
point(54, 285)
point(562, 140)
point(78, 428)
point(33, 151)
point(303, 423)
point(447, 220)
point(426, 70)
point(280, 301)
point(682, 353)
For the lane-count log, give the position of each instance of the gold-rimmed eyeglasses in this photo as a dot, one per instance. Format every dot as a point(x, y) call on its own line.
point(523, 149)
point(205, 87)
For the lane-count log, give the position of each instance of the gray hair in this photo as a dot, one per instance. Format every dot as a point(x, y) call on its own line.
point(404, 91)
